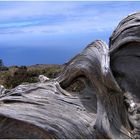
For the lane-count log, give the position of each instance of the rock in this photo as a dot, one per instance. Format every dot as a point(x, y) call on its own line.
point(43, 78)
point(2, 90)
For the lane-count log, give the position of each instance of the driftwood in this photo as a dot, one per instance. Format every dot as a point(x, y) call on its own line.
point(108, 106)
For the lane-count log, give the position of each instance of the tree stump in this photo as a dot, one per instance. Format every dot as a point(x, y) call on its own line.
point(108, 106)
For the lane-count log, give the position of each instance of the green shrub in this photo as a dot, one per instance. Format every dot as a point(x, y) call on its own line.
point(15, 75)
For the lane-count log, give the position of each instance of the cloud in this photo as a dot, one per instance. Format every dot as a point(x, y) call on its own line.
point(38, 31)
point(26, 10)
point(61, 18)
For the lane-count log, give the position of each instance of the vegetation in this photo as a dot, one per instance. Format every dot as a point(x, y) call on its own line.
point(11, 77)
point(1, 63)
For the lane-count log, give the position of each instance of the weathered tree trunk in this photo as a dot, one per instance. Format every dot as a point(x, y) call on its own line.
point(105, 108)
point(125, 65)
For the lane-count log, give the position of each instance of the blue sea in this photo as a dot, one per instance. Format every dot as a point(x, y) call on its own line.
point(29, 56)
point(58, 52)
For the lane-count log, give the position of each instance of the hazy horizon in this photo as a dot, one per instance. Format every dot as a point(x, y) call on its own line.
point(53, 32)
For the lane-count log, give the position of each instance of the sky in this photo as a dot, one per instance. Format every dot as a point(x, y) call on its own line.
point(43, 32)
